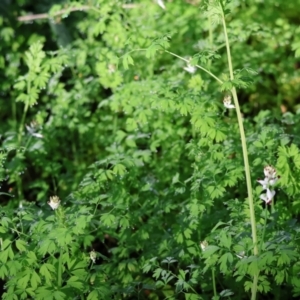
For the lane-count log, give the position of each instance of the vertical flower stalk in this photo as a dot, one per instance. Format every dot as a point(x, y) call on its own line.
point(243, 139)
point(54, 203)
point(227, 104)
point(245, 154)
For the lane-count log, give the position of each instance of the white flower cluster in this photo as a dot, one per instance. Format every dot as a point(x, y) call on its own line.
point(93, 256)
point(204, 245)
point(268, 183)
point(54, 202)
point(33, 129)
point(227, 102)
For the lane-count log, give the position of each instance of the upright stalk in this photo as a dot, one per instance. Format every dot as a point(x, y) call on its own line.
point(245, 154)
point(21, 128)
point(214, 282)
point(59, 269)
point(243, 141)
point(60, 223)
point(210, 35)
point(264, 230)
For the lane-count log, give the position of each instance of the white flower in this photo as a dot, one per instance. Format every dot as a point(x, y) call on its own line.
point(227, 102)
point(273, 180)
point(267, 183)
point(54, 202)
point(161, 4)
point(264, 182)
point(204, 245)
point(93, 256)
point(270, 179)
point(190, 69)
point(270, 172)
point(268, 196)
point(241, 254)
point(33, 128)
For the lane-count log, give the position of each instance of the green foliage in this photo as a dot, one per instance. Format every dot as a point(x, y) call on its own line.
point(113, 106)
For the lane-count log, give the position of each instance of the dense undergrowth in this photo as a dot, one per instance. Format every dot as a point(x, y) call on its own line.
point(123, 169)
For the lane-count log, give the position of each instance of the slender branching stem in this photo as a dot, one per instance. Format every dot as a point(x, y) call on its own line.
point(199, 67)
point(211, 40)
point(245, 154)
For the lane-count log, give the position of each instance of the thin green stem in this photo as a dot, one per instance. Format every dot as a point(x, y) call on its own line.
point(19, 233)
point(184, 59)
point(243, 140)
point(199, 67)
point(20, 133)
point(241, 128)
point(264, 230)
point(210, 34)
point(247, 172)
point(59, 269)
point(115, 125)
point(24, 114)
point(245, 155)
point(14, 114)
point(60, 223)
point(87, 275)
point(54, 183)
point(21, 223)
point(19, 188)
point(27, 143)
point(214, 281)
point(273, 206)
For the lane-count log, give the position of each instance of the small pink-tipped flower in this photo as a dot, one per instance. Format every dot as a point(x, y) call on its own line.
point(54, 202)
point(270, 172)
point(267, 183)
point(268, 196)
point(227, 102)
